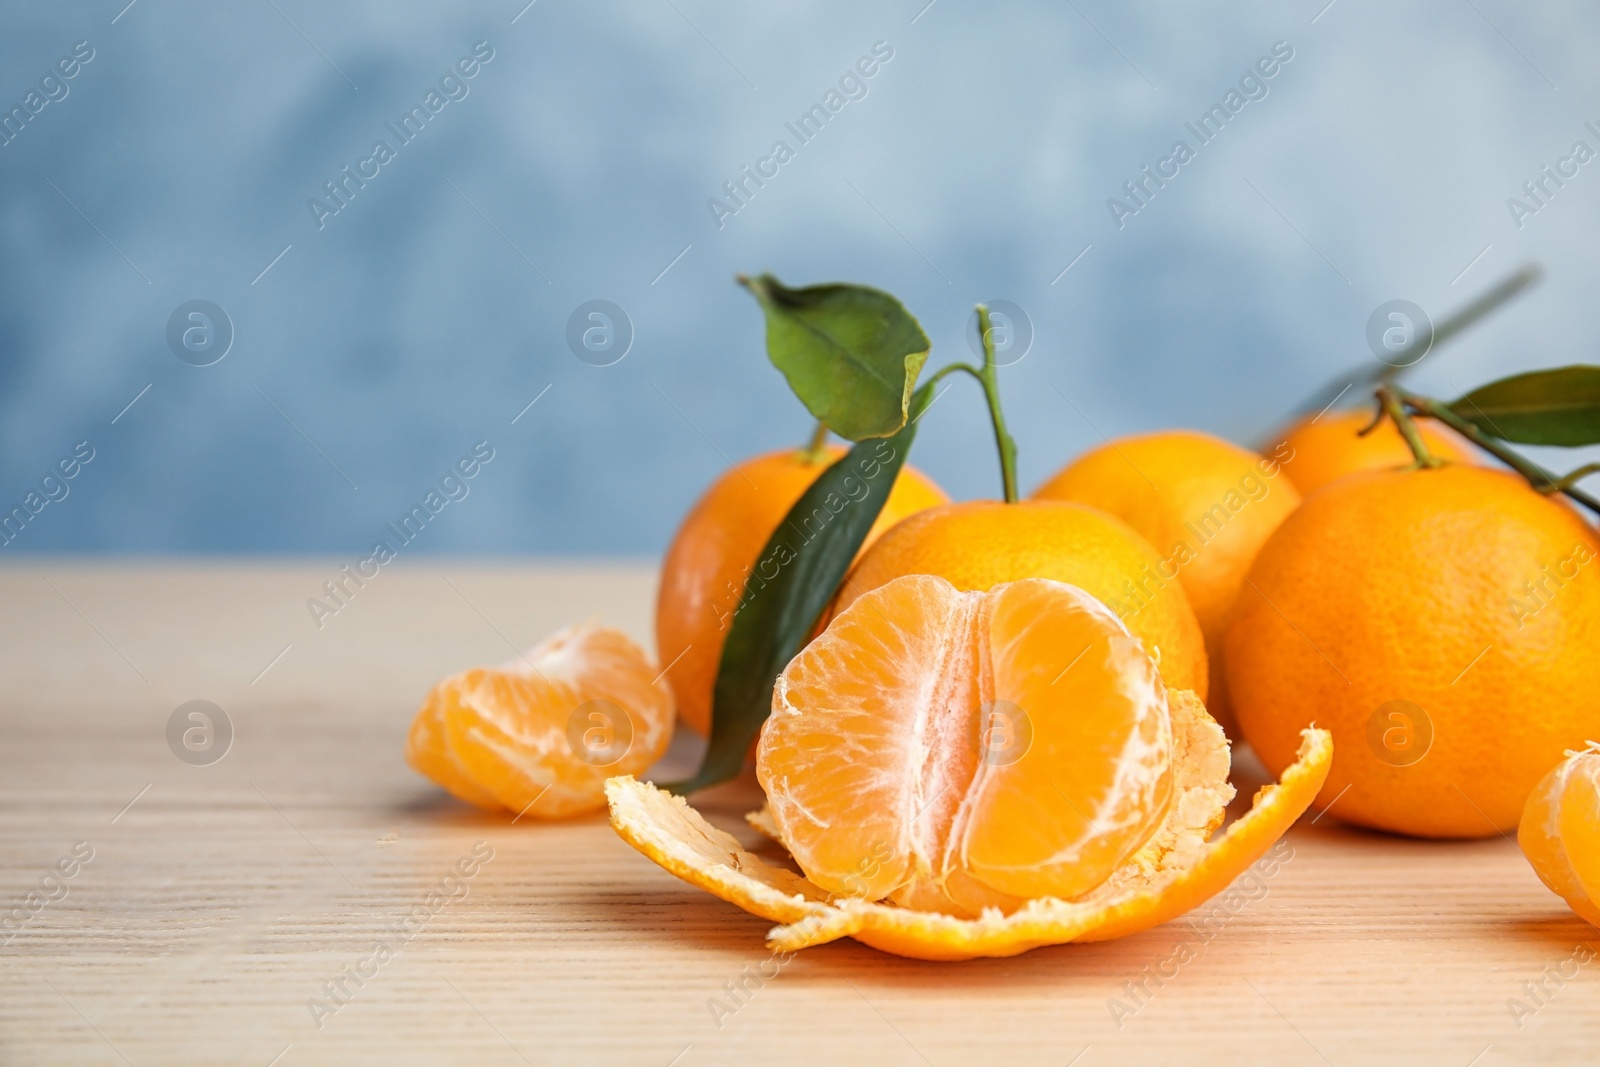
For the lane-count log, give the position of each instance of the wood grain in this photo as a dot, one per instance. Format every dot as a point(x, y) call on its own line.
point(221, 901)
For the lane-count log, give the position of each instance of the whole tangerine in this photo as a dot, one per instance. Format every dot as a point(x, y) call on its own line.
point(1441, 623)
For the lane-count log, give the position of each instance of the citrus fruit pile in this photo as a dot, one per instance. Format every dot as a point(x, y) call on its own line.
point(984, 726)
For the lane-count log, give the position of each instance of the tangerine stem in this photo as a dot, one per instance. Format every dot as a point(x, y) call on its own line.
point(816, 450)
point(1537, 476)
point(1377, 417)
point(986, 377)
point(988, 374)
point(1407, 427)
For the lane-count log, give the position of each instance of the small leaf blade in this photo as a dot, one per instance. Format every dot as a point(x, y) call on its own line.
point(1547, 407)
point(776, 612)
point(851, 353)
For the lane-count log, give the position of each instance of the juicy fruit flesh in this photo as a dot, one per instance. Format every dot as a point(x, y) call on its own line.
point(428, 749)
point(954, 751)
point(541, 734)
point(1560, 831)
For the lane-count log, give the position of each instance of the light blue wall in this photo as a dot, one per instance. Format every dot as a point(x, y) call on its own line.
point(428, 312)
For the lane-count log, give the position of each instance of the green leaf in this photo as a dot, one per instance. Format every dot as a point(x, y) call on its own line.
point(794, 578)
point(1545, 407)
point(851, 354)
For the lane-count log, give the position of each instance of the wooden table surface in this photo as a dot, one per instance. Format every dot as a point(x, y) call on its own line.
point(220, 901)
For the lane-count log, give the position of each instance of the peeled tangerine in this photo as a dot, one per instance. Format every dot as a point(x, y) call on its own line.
point(540, 734)
point(1560, 831)
point(965, 774)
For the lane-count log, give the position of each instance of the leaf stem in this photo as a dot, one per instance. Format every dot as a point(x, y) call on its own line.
point(1537, 476)
point(989, 376)
point(1571, 478)
point(1364, 376)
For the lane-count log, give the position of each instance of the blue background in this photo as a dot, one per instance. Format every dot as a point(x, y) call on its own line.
point(433, 308)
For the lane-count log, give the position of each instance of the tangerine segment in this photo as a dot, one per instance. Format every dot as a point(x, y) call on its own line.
point(1095, 779)
point(428, 751)
point(961, 750)
point(860, 718)
point(543, 732)
point(1560, 832)
point(670, 832)
point(1580, 825)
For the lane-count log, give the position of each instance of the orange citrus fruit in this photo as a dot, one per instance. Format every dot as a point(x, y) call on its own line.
point(1560, 831)
point(980, 544)
point(951, 791)
point(1204, 504)
point(1442, 624)
point(1319, 450)
point(541, 734)
point(952, 751)
point(705, 569)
